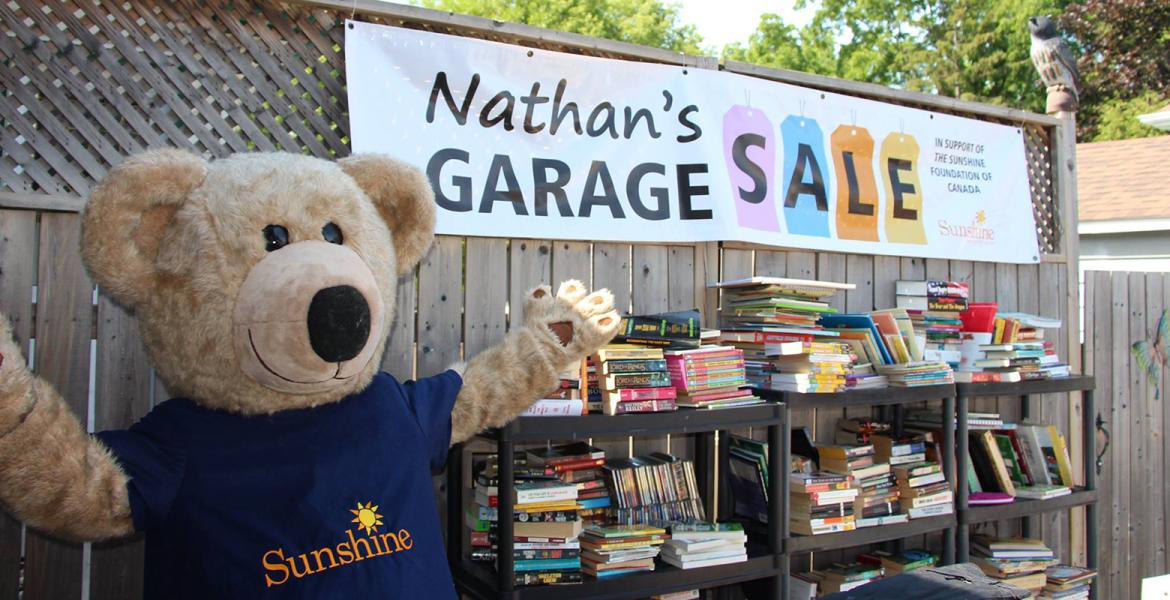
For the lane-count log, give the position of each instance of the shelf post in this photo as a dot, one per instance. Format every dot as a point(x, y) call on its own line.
point(948, 465)
point(506, 492)
point(1025, 413)
point(962, 541)
point(455, 505)
point(780, 464)
point(1089, 430)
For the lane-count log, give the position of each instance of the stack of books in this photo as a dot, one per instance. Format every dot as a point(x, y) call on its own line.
point(656, 488)
point(770, 317)
point(842, 578)
point(821, 502)
point(1021, 562)
point(934, 306)
point(931, 420)
point(1068, 583)
point(923, 490)
point(633, 379)
point(877, 495)
point(918, 373)
point(709, 377)
point(615, 550)
point(1017, 351)
point(546, 513)
point(818, 367)
point(932, 295)
point(700, 544)
point(900, 562)
point(579, 464)
point(862, 376)
point(568, 400)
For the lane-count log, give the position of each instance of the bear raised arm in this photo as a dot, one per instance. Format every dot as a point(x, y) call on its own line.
point(264, 286)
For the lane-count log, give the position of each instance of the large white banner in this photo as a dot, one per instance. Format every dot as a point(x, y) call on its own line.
point(531, 143)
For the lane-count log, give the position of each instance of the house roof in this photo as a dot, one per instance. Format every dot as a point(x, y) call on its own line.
point(1123, 180)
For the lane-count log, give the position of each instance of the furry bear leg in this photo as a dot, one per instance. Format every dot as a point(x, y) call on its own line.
point(558, 331)
point(53, 475)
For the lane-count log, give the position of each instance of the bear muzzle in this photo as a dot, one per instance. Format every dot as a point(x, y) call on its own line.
point(307, 318)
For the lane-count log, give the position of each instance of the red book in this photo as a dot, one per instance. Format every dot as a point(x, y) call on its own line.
point(575, 465)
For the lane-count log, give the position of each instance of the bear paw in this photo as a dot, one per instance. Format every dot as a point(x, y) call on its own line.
point(581, 321)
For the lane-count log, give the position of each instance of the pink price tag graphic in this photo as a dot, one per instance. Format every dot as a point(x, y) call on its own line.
point(749, 147)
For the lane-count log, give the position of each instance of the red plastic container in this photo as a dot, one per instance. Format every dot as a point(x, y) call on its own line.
point(979, 317)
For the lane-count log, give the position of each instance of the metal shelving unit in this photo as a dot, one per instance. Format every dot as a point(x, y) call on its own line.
point(1083, 496)
point(764, 560)
point(890, 396)
point(770, 558)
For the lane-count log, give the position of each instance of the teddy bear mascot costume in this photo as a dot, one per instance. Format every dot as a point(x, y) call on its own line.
point(286, 466)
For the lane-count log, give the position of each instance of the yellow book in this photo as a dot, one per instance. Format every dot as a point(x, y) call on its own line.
point(1060, 447)
point(627, 352)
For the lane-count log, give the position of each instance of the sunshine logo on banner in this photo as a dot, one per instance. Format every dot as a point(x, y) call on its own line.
point(520, 143)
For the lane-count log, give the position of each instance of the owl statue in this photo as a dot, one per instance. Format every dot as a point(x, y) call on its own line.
point(1055, 62)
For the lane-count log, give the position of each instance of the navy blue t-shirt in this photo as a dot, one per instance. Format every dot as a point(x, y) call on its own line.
point(328, 502)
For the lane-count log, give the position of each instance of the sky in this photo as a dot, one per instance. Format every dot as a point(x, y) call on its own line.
point(722, 22)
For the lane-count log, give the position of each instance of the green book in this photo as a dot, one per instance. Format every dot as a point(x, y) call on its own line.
point(972, 478)
point(1010, 459)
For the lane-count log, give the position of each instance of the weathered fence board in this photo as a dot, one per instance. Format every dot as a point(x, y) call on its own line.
point(18, 270)
point(64, 327)
point(88, 83)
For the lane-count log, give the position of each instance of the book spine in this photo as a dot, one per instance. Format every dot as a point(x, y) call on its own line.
point(545, 495)
point(633, 366)
point(632, 394)
point(624, 380)
point(643, 406)
point(555, 408)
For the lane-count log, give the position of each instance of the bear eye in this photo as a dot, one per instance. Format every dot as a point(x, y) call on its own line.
point(332, 233)
point(276, 236)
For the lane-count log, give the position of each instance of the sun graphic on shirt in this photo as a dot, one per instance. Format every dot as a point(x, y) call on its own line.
point(366, 517)
point(981, 217)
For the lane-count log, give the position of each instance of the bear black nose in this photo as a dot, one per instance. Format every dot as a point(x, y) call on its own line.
point(339, 323)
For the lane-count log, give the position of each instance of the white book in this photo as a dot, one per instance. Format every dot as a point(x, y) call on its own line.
point(726, 560)
point(931, 511)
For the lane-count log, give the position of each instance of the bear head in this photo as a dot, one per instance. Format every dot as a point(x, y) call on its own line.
point(262, 282)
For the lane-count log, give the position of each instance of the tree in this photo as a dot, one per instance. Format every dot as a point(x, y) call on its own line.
point(645, 22)
point(971, 49)
point(1125, 63)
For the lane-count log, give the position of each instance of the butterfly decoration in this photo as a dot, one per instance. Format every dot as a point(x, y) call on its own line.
point(1150, 355)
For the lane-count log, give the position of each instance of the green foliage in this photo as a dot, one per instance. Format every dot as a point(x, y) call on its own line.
point(1116, 118)
point(1125, 63)
point(646, 22)
point(971, 49)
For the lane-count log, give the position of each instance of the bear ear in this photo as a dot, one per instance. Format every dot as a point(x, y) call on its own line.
point(127, 215)
point(403, 197)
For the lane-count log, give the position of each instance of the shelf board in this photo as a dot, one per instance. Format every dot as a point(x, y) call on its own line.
point(870, 397)
point(1022, 507)
point(1073, 383)
point(683, 420)
point(479, 581)
point(867, 535)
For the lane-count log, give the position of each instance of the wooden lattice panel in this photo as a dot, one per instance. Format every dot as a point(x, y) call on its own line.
point(86, 82)
point(1045, 204)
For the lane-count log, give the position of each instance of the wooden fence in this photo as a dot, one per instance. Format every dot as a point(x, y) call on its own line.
point(86, 83)
point(1120, 309)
